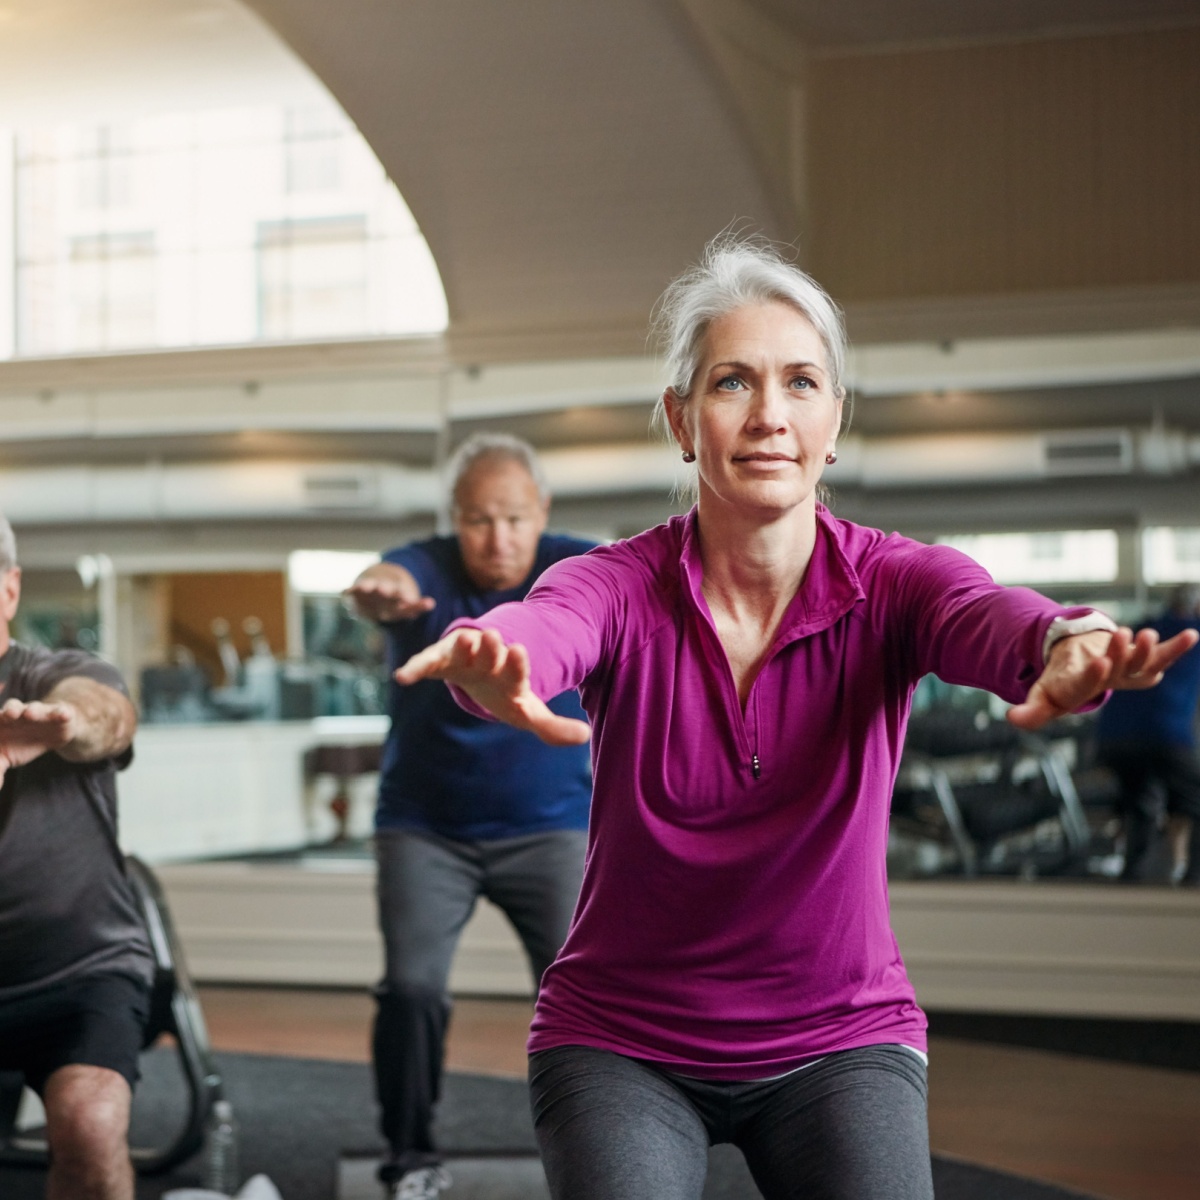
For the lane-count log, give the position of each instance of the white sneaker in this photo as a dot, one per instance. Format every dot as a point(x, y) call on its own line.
point(423, 1184)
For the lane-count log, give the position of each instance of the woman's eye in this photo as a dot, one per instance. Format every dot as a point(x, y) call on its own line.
point(803, 382)
point(731, 383)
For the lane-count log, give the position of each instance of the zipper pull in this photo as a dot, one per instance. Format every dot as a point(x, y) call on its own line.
point(755, 765)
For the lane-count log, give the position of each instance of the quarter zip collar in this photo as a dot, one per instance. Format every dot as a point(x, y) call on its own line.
point(831, 586)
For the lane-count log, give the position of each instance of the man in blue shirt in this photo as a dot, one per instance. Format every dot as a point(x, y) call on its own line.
point(467, 808)
point(1148, 738)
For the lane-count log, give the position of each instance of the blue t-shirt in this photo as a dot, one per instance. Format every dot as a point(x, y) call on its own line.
point(1162, 715)
point(447, 772)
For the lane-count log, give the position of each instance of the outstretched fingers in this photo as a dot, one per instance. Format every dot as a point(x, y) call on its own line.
point(434, 661)
point(27, 730)
point(1082, 670)
point(17, 715)
point(1151, 658)
point(388, 600)
point(496, 676)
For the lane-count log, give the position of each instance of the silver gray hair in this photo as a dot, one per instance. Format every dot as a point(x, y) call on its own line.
point(501, 446)
point(735, 271)
point(8, 547)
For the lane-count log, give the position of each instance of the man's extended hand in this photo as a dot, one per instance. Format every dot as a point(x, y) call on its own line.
point(387, 592)
point(1082, 666)
point(27, 731)
point(495, 676)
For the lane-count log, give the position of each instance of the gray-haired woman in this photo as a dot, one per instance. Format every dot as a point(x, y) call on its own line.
point(731, 974)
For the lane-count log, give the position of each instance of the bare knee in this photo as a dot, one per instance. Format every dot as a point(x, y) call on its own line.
point(87, 1126)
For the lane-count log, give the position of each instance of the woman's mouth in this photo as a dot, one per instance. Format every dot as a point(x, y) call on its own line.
point(762, 459)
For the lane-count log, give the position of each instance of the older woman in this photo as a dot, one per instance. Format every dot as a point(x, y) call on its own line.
point(731, 974)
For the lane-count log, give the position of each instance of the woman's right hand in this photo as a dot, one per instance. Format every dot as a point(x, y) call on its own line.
point(496, 677)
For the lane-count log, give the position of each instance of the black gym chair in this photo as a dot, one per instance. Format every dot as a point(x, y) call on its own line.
point(174, 1010)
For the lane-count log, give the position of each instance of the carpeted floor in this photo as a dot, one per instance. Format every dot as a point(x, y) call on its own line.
point(298, 1118)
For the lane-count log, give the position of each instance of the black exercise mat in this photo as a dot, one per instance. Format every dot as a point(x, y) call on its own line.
point(299, 1117)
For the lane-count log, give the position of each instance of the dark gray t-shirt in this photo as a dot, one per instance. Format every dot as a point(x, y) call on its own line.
point(67, 909)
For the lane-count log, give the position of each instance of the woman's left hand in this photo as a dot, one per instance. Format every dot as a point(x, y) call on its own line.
point(1083, 665)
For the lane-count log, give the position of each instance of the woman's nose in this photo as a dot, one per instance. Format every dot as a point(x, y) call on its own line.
point(768, 408)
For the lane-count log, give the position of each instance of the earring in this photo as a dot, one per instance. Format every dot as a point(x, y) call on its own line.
point(688, 456)
point(831, 457)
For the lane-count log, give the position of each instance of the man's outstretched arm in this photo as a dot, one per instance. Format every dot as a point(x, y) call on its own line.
point(79, 719)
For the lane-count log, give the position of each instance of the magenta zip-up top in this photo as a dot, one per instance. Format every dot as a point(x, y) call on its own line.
point(733, 922)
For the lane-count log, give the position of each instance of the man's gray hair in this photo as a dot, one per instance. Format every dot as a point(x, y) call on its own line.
point(502, 446)
point(8, 547)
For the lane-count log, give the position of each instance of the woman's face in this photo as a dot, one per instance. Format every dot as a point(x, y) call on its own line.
point(762, 414)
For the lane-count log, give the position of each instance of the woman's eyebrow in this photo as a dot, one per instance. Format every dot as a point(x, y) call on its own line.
point(734, 365)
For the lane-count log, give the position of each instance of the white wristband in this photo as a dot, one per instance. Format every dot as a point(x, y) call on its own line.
point(1062, 627)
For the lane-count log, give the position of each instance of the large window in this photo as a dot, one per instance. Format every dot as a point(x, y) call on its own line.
point(314, 277)
point(221, 227)
point(1171, 554)
point(1072, 556)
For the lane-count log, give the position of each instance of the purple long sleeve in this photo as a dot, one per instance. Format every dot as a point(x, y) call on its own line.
point(733, 921)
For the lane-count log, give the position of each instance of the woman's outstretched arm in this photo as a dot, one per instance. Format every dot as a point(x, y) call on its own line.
point(494, 675)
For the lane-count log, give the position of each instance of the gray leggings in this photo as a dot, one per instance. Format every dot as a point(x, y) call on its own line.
point(850, 1127)
point(428, 886)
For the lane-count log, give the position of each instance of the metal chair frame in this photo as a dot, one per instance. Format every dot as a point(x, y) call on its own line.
point(174, 1010)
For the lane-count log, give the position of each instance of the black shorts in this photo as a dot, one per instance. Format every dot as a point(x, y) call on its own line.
point(97, 1021)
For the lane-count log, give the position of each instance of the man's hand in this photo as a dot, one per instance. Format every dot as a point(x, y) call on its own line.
point(495, 676)
point(1082, 666)
point(79, 719)
point(387, 592)
point(27, 731)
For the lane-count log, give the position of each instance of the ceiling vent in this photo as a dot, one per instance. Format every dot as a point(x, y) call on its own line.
point(339, 488)
point(1089, 452)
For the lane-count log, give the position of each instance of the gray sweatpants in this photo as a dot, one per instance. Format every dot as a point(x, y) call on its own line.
point(427, 889)
point(852, 1126)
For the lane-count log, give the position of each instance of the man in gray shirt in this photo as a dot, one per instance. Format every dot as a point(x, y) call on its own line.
point(75, 962)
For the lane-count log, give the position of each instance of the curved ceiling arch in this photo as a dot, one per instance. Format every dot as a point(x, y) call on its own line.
point(563, 158)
